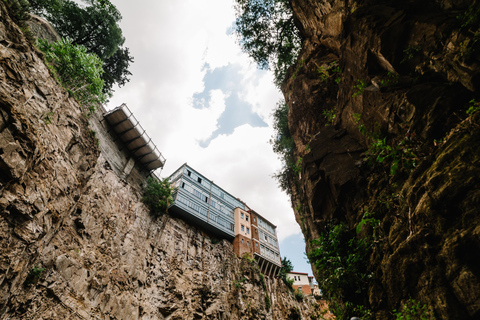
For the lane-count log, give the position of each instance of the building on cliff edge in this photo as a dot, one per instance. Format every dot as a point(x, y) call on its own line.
point(202, 202)
point(302, 282)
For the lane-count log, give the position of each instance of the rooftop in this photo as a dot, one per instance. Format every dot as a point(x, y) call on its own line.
point(134, 138)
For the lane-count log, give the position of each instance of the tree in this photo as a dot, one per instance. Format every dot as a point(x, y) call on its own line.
point(267, 33)
point(116, 68)
point(287, 267)
point(94, 26)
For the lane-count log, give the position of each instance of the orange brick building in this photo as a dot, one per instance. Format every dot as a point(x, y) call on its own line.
point(257, 236)
point(301, 282)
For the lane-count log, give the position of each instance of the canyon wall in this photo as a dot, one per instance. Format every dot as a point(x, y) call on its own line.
point(76, 241)
point(378, 104)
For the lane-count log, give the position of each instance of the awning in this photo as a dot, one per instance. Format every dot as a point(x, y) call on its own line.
point(135, 139)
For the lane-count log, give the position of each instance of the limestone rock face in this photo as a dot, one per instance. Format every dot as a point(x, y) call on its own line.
point(76, 241)
point(406, 73)
point(41, 29)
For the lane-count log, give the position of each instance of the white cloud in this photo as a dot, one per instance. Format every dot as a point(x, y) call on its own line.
point(171, 41)
point(243, 164)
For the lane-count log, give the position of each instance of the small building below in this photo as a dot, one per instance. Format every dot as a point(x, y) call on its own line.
point(302, 282)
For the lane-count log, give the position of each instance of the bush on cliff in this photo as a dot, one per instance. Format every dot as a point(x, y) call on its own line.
point(93, 24)
point(78, 71)
point(157, 195)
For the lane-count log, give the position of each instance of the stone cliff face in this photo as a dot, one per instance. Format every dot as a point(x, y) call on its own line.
point(400, 151)
point(76, 240)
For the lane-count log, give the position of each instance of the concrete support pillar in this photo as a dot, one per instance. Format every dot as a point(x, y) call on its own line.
point(269, 269)
point(128, 168)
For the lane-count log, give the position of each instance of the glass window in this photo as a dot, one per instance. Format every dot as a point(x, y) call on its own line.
point(241, 215)
point(248, 243)
point(248, 230)
point(243, 227)
point(199, 180)
point(246, 218)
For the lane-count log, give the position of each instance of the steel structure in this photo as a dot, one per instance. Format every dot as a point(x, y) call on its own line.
point(134, 138)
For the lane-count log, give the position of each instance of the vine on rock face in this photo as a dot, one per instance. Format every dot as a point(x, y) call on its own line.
point(283, 145)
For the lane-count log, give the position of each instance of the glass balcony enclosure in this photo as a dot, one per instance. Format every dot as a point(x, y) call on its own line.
point(200, 200)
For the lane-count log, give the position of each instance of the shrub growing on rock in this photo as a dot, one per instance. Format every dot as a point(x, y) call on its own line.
point(78, 71)
point(158, 195)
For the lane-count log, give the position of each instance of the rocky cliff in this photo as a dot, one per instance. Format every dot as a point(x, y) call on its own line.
point(383, 106)
point(77, 243)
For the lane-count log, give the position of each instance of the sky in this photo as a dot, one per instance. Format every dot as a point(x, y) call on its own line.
point(204, 102)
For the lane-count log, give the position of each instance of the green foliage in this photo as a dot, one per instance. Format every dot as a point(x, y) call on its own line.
point(268, 303)
point(297, 167)
point(33, 275)
point(157, 195)
point(409, 52)
point(399, 156)
point(341, 260)
point(248, 257)
point(116, 69)
point(413, 310)
point(283, 145)
point(470, 18)
point(327, 71)
point(214, 240)
point(299, 296)
point(287, 267)
point(18, 10)
point(94, 26)
point(47, 118)
point(288, 282)
point(357, 117)
point(298, 207)
point(474, 107)
point(390, 80)
point(329, 115)
point(267, 33)
point(262, 281)
point(359, 311)
point(368, 219)
point(239, 283)
point(79, 72)
point(360, 88)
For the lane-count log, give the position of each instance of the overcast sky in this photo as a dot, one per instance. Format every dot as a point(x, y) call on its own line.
point(205, 103)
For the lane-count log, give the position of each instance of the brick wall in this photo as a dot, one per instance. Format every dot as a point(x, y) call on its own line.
point(242, 245)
